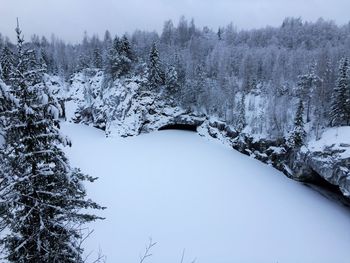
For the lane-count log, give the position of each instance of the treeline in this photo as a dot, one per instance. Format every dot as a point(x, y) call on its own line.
point(219, 72)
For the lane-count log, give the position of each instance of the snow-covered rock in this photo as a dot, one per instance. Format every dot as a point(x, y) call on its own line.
point(330, 157)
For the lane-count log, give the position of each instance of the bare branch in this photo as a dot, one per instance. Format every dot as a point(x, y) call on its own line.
point(148, 253)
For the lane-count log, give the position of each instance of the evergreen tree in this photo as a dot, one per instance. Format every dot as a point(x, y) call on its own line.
point(241, 120)
point(180, 69)
point(171, 82)
point(120, 58)
point(155, 72)
point(298, 134)
point(97, 58)
point(340, 109)
point(4, 96)
point(200, 81)
point(307, 85)
point(126, 56)
point(6, 63)
point(43, 193)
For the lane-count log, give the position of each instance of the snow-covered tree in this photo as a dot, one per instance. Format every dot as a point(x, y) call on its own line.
point(6, 63)
point(307, 86)
point(171, 82)
point(241, 122)
point(340, 109)
point(297, 137)
point(44, 195)
point(97, 58)
point(155, 71)
point(120, 58)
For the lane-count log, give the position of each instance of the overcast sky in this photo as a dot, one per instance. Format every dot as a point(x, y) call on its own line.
point(68, 19)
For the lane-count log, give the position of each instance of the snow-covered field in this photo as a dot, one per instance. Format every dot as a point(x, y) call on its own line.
point(201, 198)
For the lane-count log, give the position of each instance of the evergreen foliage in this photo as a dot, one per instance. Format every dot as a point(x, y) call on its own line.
point(44, 196)
point(120, 58)
point(297, 137)
point(171, 82)
point(155, 71)
point(6, 62)
point(241, 120)
point(340, 109)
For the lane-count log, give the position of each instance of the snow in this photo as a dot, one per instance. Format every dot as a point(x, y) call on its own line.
point(190, 193)
point(337, 138)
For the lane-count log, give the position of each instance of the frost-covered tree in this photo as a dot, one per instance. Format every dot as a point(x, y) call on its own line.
point(6, 63)
point(307, 85)
point(340, 109)
point(297, 137)
point(44, 195)
point(171, 82)
point(113, 60)
point(120, 58)
point(241, 119)
point(199, 85)
point(97, 58)
point(155, 70)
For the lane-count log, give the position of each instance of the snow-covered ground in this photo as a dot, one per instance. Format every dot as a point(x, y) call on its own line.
point(198, 196)
point(337, 138)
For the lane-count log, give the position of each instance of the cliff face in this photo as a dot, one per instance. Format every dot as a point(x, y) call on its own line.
point(330, 163)
point(127, 109)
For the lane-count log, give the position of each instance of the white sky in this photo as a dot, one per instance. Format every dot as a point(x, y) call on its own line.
point(68, 19)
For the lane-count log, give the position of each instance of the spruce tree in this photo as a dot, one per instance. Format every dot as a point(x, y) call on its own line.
point(126, 56)
point(241, 120)
point(307, 85)
point(119, 58)
point(200, 83)
point(340, 109)
point(155, 72)
point(298, 134)
point(171, 82)
point(97, 58)
point(44, 194)
point(6, 63)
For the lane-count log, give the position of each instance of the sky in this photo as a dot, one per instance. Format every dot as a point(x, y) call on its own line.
point(68, 19)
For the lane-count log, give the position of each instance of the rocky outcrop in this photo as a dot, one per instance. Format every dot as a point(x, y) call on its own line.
point(299, 164)
point(326, 164)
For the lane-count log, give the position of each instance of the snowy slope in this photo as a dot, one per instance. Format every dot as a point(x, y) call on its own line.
point(337, 138)
point(217, 204)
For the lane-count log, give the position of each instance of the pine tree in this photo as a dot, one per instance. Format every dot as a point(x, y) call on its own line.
point(340, 109)
point(43, 193)
point(155, 72)
point(298, 134)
